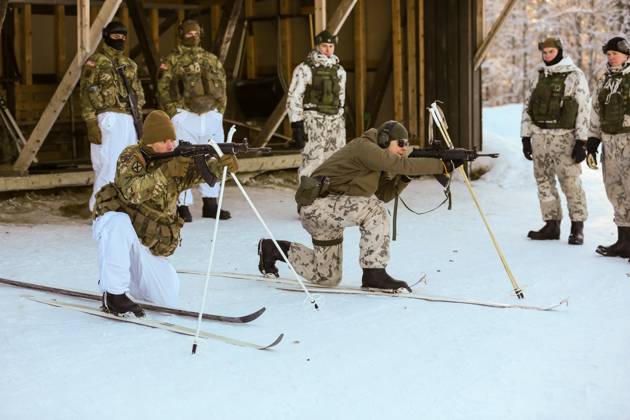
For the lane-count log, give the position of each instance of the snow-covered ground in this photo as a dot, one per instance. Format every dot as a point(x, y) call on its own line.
point(358, 357)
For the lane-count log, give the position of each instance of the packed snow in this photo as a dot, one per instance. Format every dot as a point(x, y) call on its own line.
point(358, 357)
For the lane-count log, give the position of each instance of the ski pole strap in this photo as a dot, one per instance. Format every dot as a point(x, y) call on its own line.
point(327, 242)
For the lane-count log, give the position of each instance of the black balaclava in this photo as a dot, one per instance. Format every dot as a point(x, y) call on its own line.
point(114, 27)
point(556, 60)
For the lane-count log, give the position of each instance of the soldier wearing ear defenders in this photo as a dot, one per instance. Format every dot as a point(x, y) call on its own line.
point(192, 91)
point(349, 189)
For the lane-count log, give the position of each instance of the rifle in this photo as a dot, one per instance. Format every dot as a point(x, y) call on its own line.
point(200, 153)
point(458, 153)
point(132, 100)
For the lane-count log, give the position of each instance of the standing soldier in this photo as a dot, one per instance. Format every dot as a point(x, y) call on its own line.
point(192, 91)
point(349, 189)
point(111, 101)
point(554, 127)
point(315, 104)
point(610, 125)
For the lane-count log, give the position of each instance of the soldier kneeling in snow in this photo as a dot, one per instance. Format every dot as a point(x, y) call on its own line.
point(136, 221)
point(349, 189)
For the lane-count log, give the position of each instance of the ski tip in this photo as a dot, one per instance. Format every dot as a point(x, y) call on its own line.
point(275, 343)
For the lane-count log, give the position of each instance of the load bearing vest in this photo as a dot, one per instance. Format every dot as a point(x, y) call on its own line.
point(548, 106)
point(614, 103)
point(322, 95)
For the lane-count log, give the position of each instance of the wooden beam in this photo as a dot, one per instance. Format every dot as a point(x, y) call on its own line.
point(481, 52)
point(276, 117)
point(60, 41)
point(27, 37)
point(215, 20)
point(421, 76)
point(83, 28)
point(398, 61)
point(226, 30)
point(170, 20)
point(360, 66)
point(286, 40)
point(412, 65)
point(154, 22)
point(181, 17)
point(250, 41)
point(4, 7)
point(124, 19)
point(63, 92)
point(141, 27)
point(320, 15)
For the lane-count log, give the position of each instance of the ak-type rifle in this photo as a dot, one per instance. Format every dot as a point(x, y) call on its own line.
point(455, 154)
point(200, 153)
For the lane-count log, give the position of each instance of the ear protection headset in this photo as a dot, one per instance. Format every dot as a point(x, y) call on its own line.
point(384, 133)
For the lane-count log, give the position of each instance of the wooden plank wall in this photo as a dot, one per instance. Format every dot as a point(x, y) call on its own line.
point(452, 34)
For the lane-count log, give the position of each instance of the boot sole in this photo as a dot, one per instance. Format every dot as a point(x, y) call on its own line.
point(611, 253)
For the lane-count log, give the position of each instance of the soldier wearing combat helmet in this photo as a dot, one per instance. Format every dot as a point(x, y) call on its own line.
point(554, 128)
point(610, 125)
point(192, 91)
point(315, 104)
point(105, 104)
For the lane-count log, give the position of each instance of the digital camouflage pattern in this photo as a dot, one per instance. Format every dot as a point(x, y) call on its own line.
point(615, 156)
point(191, 79)
point(326, 132)
point(552, 159)
point(326, 219)
point(149, 197)
point(552, 147)
point(101, 87)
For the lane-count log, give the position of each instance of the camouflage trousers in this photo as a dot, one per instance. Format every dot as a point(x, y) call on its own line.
point(616, 168)
point(326, 219)
point(326, 135)
point(552, 158)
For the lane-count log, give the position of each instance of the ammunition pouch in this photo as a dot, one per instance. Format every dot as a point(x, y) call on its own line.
point(548, 107)
point(161, 236)
point(310, 189)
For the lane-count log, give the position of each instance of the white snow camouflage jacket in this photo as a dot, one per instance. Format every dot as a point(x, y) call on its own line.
point(595, 128)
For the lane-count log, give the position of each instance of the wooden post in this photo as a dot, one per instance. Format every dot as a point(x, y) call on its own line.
point(278, 114)
point(60, 41)
point(63, 92)
point(398, 61)
point(27, 36)
point(124, 19)
point(215, 20)
point(83, 28)
point(226, 30)
point(143, 33)
point(481, 52)
point(250, 41)
point(285, 37)
point(320, 15)
point(412, 64)
point(181, 17)
point(421, 62)
point(154, 16)
point(360, 66)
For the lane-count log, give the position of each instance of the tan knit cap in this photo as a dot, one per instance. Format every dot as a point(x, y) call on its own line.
point(157, 127)
point(550, 42)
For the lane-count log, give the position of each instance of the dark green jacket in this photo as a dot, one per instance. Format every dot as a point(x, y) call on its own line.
point(362, 168)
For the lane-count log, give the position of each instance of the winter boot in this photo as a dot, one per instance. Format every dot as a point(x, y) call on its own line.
point(377, 278)
point(577, 233)
point(268, 255)
point(551, 230)
point(621, 248)
point(210, 209)
point(120, 304)
point(184, 213)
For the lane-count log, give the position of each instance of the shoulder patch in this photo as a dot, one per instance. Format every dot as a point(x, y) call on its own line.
point(137, 167)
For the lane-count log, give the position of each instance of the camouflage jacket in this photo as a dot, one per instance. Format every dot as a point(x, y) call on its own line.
point(101, 87)
point(303, 77)
point(595, 129)
point(141, 190)
point(362, 168)
point(192, 79)
point(575, 86)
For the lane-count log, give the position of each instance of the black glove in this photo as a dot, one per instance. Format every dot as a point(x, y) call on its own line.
point(579, 151)
point(299, 135)
point(527, 147)
point(592, 144)
point(451, 165)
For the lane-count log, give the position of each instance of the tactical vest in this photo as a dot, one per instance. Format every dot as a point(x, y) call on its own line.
point(548, 107)
point(199, 84)
point(614, 103)
point(322, 95)
point(161, 237)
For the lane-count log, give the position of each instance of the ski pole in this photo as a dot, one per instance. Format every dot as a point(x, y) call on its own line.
point(434, 109)
point(231, 132)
